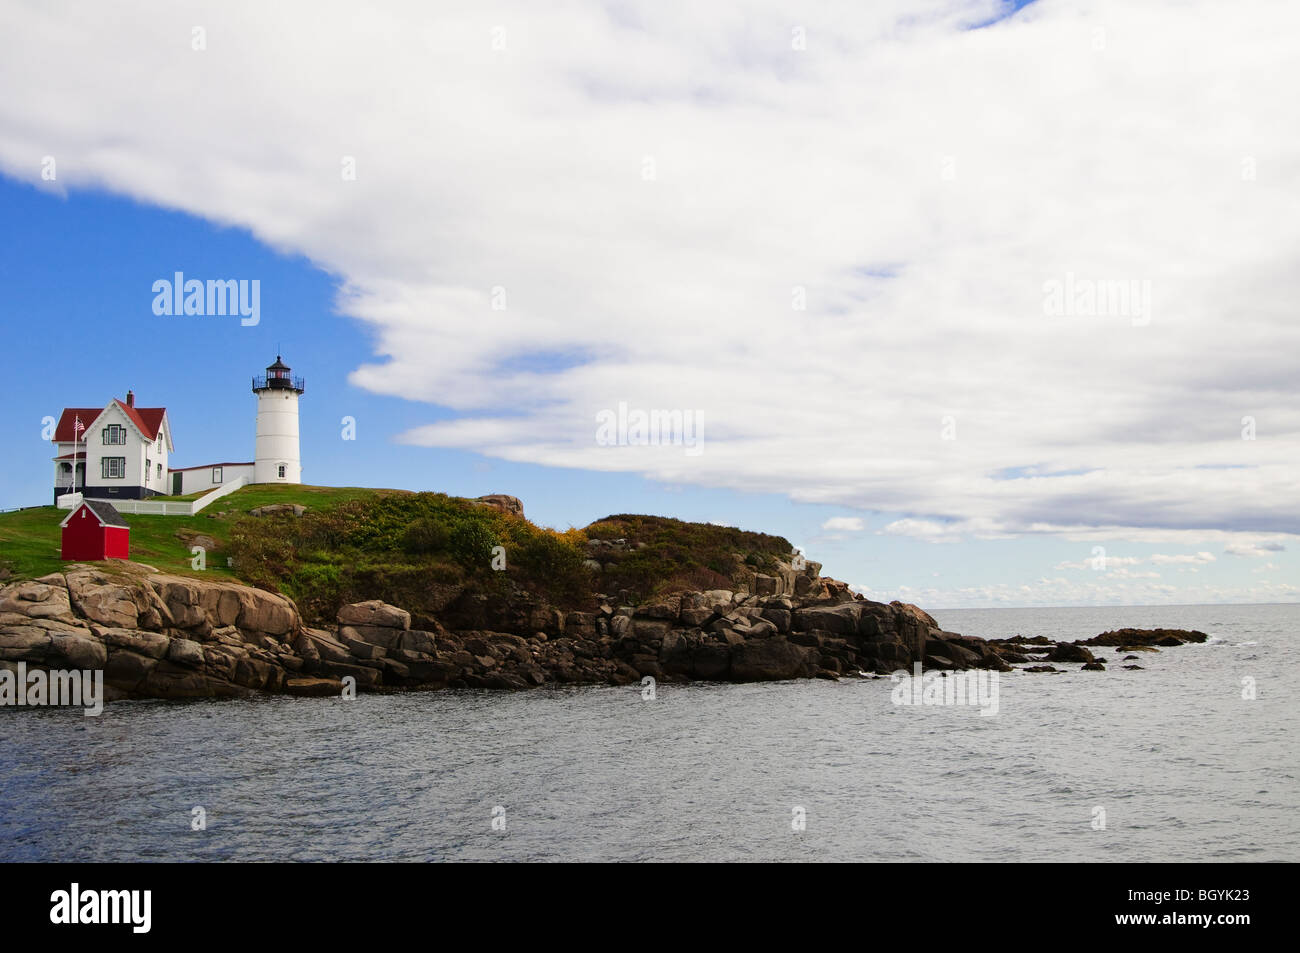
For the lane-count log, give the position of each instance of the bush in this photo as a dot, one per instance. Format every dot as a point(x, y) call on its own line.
point(665, 553)
point(317, 588)
point(470, 545)
point(696, 580)
point(425, 536)
point(262, 549)
point(419, 550)
point(550, 562)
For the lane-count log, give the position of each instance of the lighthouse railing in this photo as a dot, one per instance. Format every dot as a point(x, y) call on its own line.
point(279, 383)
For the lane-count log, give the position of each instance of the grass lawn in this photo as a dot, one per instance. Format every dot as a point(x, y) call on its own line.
point(29, 539)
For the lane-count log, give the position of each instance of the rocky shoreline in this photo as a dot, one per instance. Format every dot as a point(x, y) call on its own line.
point(156, 635)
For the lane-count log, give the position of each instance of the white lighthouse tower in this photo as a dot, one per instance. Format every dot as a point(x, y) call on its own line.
point(276, 456)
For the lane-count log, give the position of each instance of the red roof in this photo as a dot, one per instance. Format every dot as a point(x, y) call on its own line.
point(63, 432)
point(148, 419)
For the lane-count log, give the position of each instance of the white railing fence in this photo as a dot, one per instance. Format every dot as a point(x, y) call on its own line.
point(150, 507)
point(161, 507)
point(219, 492)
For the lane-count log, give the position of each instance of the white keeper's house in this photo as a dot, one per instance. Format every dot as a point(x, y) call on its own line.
point(121, 451)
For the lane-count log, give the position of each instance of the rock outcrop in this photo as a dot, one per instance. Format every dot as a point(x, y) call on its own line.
point(500, 501)
point(156, 635)
point(152, 634)
point(272, 509)
point(1146, 637)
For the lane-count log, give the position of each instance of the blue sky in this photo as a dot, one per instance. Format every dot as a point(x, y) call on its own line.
point(833, 248)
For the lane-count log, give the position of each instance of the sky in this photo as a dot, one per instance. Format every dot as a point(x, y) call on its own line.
point(978, 303)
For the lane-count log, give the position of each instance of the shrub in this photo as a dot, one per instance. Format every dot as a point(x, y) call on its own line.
point(470, 545)
point(262, 549)
point(664, 552)
point(426, 535)
point(317, 588)
point(419, 550)
point(552, 563)
point(695, 580)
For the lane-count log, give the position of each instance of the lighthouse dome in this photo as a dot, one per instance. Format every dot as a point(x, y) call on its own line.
point(279, 376)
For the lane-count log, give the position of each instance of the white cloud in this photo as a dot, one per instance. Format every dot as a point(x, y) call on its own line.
point(1254, 550)
point(900, 174)
point(922, 529)
point(1156, 559)
point(1178, 558)
point(1100, 563)
point(849, 524)
point(1125, 573)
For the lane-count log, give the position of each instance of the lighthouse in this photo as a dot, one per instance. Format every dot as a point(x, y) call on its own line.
point(276, 454)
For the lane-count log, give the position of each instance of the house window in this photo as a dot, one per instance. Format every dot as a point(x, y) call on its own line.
point(160, 471)
point(148, 465)
point(282, 471)
point(115, 434)
point(216, 474)
point(112, 468)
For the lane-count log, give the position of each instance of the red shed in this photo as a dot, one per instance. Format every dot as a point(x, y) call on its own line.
point(95, 530)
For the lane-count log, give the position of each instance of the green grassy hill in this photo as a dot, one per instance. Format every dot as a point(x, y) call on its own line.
point(29, 539)
point(416, 550)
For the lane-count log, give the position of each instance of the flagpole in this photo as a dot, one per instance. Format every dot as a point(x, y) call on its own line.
point(76, 428)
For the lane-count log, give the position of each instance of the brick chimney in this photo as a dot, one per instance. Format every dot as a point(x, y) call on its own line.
point(130, 398)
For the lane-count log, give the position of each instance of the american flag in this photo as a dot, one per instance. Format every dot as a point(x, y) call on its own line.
point(77, 427)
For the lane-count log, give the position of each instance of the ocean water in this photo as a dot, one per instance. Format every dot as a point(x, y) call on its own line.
point(1181, 765)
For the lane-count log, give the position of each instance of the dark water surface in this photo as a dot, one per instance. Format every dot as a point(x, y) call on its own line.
point(1183, 767)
